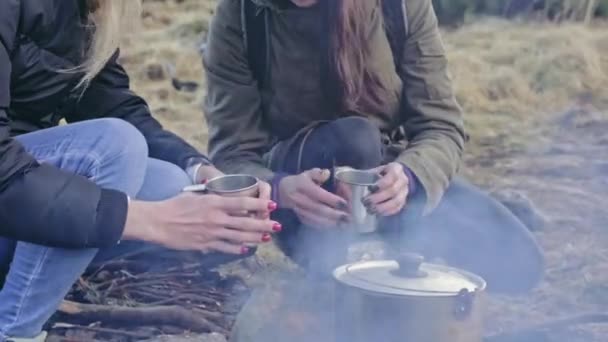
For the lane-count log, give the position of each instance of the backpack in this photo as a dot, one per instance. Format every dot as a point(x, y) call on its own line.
point(256, 24)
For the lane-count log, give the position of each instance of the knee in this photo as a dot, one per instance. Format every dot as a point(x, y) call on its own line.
point(163, 180)
point(518, 265)
point(527, 273)
point(121, 153)
point(358, 142)
point(121, 141)
point(492, 242)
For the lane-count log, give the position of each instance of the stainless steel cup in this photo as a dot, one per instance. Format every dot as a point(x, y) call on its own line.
point(229, 186)
point(237, 185)
point(354, 186)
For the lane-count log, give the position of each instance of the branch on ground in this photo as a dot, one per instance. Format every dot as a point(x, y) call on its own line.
point(149, 315)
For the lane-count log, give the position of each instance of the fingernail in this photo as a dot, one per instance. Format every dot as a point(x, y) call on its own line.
point(372, 210)
point(204, 181)
point(272, 206)
point(366, 202)
point(266, 237)
point(342, 206)
point(244, 250)
point(373, 189)
point(383, 173)
point(277, 227)
point(344, 219)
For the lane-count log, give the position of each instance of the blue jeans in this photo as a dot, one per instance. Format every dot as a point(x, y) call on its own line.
point(111, 153)
point(468, 229)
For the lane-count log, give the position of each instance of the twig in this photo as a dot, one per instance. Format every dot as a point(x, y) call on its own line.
point(185, 297)
point(159, 315)
point(106, 331)
point(138, 284)
point(146, 278)
point(147, 295)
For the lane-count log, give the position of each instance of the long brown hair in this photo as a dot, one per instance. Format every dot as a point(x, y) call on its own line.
point(351, 84)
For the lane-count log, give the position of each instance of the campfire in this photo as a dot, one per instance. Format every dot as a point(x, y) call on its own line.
point(147, 294)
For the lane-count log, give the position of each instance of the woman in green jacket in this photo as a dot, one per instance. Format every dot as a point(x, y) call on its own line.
point(336, 92)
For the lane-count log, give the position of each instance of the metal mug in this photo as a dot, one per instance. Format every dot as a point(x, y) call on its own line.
point(229, 186)
point(354, 186)
point(237, 185)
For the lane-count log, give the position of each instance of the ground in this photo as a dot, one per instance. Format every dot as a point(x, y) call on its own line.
point(521, 86)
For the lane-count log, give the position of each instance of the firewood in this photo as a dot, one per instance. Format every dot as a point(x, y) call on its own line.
point(149, 315)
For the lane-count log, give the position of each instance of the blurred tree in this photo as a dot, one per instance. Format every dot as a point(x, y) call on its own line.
point(514, 8)
point(602, 9)
point(455, 12)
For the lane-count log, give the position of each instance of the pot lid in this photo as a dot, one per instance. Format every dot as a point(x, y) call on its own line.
point(408, 276)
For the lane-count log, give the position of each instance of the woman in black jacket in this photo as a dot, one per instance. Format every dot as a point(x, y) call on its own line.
point(112, 174)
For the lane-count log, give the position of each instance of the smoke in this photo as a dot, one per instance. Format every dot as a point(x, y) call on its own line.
point(469, 230)
point(299, 306)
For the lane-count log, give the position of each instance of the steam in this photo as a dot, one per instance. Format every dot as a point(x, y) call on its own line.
point(300, 306)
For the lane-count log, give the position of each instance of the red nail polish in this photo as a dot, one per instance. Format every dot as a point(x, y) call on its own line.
point(204, 181)
point(277, 227)
point(244, 250)
point(266, 237)
point(272, 206)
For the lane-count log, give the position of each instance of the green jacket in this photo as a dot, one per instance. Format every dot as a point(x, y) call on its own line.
point(244, 122)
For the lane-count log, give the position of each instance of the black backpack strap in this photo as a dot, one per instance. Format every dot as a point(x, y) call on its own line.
point(256, 25)
point(395, 18)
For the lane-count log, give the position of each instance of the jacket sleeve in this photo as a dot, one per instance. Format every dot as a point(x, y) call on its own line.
point(432, 118)
point(109, 95)
point(238, 137)
point(40, 203)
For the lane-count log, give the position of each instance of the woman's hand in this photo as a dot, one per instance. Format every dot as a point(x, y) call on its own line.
point(202, 222)
point(389, 196)
point(266, 194)
point(312, 204)
point(208, 172)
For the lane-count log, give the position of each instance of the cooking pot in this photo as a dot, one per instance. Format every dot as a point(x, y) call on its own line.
point(407, 300)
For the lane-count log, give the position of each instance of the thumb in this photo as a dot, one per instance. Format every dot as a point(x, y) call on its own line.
point(319, 176)
point(378, 170)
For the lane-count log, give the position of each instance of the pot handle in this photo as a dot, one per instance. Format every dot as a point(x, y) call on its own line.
point(409, 265)
point(202, 188)
point(464, 304)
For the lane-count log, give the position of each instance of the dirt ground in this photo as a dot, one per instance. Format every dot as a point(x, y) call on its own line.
point(518, 84)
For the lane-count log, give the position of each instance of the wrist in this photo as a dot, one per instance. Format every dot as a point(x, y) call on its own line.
point(276, 195)
point(193, 166)
point(205, 173)
point(140, 220)
point(412, 180)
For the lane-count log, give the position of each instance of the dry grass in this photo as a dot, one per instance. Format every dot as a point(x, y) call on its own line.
point(515, 81)
point(498, 67)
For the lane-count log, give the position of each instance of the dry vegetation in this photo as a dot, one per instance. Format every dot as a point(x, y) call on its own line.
point(518, 84)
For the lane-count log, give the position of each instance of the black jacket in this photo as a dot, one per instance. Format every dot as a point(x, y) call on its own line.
point(40, 203)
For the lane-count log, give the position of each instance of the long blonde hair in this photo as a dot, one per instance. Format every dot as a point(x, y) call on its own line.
point(111, 20)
